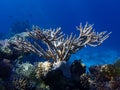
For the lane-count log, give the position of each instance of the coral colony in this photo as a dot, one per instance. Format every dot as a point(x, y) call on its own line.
point(58, 47)
point(54, 72)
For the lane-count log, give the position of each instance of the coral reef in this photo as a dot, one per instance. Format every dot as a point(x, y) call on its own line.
point(106, 77)
point(52, 71)
point(111, 70)
point(7, 51)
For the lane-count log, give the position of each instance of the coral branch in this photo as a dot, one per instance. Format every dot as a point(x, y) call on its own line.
point(59, 47)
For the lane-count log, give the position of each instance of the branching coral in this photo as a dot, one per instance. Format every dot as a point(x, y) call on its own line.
point(58, 46)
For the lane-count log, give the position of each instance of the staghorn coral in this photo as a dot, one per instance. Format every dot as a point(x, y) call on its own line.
point(58, 46)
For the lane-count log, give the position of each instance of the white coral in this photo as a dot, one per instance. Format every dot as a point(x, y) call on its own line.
point(43, 68)
point(58, 47)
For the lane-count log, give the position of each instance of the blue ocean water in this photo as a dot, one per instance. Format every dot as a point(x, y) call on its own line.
point(104, 14)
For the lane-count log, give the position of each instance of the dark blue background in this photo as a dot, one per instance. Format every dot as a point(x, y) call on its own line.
point(104, 14)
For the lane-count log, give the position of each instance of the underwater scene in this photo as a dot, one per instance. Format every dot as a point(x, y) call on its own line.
point(59, 44)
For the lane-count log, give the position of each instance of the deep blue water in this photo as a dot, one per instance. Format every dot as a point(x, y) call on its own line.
point(104, 14)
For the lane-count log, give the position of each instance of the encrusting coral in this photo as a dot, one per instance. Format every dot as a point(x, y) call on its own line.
point(59, 47)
